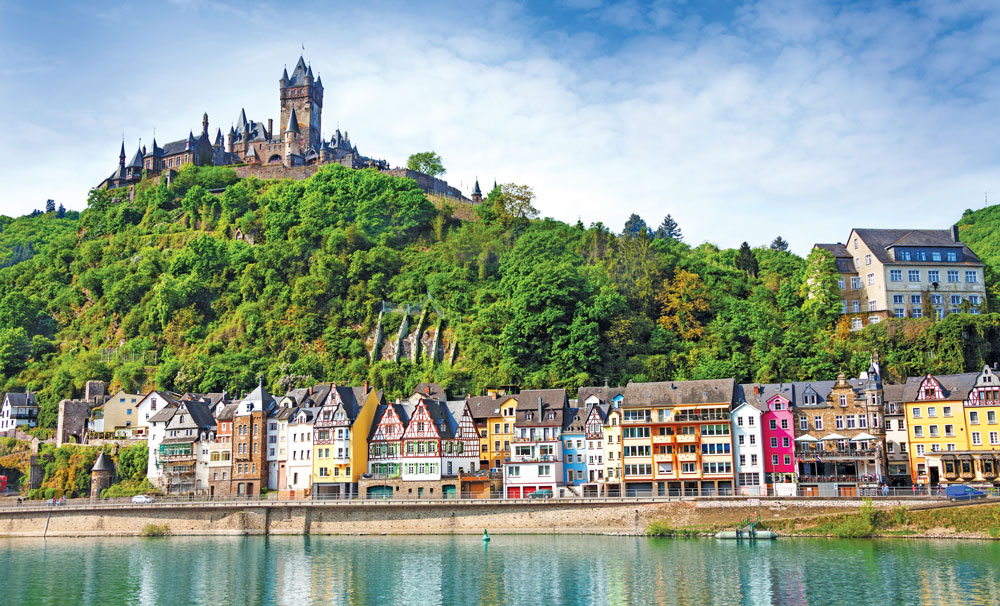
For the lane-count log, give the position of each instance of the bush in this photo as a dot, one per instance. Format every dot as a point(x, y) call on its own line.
point(660, 529)
point(129, 489)
point(154, 530)
point(854, 527)
point(42, 433)
point(900, 516)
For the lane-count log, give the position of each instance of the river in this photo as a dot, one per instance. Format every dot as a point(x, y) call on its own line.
point(512, 569)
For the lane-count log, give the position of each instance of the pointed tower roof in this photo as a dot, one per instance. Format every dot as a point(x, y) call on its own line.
point(252, 152)
point(293, 123)
point(121, 156)
point(136, 161)
point(299, 73)
point(218, 137)
point(475, 190)
point(103, 463)
point(241, 122)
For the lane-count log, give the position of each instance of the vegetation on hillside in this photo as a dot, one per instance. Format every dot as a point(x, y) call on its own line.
point(159, 291)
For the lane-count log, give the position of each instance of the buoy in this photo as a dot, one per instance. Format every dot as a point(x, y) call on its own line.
point(486, 536)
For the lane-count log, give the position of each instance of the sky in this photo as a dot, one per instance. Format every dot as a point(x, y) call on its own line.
point(742, 120)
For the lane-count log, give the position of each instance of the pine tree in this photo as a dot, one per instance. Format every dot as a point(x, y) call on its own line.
point(635, 226)
point(779, 243)
point(668, 230)
point(50, 206)
point(61, 212)
point(746, 260)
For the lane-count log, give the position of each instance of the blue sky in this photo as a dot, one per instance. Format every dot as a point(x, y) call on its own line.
point(742, 120)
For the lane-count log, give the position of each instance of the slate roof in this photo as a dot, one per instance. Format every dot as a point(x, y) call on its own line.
point(956, 387)
point(103, 463)
point(679, 392)
point(576, 420)
point(483, 407)
point(164, 414)
point(605, 394)
point(794, 392)
point(293, 123)
point(880, 240)
point(227, 412)
point(299, 74)
point(552, 401)
point(136, 161)
point(22, 399)
point(201, 414)
point(431, 390)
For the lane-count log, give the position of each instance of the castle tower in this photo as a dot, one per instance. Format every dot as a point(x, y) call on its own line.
point(303, 95)
point(204, 124)
point(292, 137)
point(101, 476)
point(477, 194)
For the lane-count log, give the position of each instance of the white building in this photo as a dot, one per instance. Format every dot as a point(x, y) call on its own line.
point(299, 451)
point(749, 446)
point(18, 410)
point(536, 460)
point(149, 405)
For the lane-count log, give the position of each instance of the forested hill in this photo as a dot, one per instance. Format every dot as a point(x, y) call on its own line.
point(531, 302)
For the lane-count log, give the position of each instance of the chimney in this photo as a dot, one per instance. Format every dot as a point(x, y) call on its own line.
point(270, 128)
point(954, 233)
point(496, 394)
point(366, 386)
point(539, 408)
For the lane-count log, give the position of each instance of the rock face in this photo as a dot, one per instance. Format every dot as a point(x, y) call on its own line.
point(414, 341)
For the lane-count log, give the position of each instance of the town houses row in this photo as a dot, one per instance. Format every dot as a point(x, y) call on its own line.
point(843, 436)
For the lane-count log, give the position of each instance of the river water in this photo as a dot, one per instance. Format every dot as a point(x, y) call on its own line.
point(523, 569)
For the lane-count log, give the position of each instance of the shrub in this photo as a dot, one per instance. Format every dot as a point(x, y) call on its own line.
point(129, 489)
point(660, 529)
point(154, 530)
point(995, 533)
point(900, 516)
point(854, 527)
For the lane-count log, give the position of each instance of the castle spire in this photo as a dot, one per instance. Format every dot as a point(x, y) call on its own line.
point(204, 124)
point(293, 123)
point(121, 156)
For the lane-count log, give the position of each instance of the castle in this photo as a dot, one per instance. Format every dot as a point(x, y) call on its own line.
point(254, 148)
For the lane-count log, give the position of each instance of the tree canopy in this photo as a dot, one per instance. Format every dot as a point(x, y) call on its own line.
point(427, 162)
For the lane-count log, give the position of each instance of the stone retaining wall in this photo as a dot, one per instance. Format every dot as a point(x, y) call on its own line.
point(394, 518)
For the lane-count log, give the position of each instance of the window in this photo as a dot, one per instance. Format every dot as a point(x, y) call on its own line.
point(856, 283)
point(740, 439)
point(743, 460)
point(897, 299)
point(868, 259)
point(899, 312)
point(949, 431)
point(974, 300)
point(843, 307)
point(991, 417)
point(994, 438)
point(931, 412)
point(773, 424)
point(871, 279)
point(784, 423)
point(855, 243)
point(918, 431)
point(904, 255)
point(839, 422)
point(971, 276)
point(872, 305)
point(843, 400)
point(895, 275)
point(687, 468)
point(753, 459)
point(818, 422)
point(952, 276)
point(934, 431)
point(856, 322)
point(916, 312)
point(774, 459)
point(977, 440)
point(851, 422)
point(774, 442)
point(855, 306)
point(919, 448)
point(916, 413)
point(753, 439)
point(974, 417)
point(952, 256)
point(803, 423)
point(937, 299)
point(915, 299)
point(913, 275)
point(784, 442)
point(933, 275)
point(841, 283)
point(946, 411)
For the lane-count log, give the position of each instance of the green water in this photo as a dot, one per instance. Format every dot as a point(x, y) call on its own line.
point(512, 570)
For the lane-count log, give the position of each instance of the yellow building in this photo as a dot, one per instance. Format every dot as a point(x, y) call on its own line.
point(494, 416)
point(340, 440)
point(613, 452)
point(935, 422)
point(979, 463)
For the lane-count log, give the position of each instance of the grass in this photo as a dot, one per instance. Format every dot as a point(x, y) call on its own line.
point(154, 530)
point(663, 529)
point(981, 519)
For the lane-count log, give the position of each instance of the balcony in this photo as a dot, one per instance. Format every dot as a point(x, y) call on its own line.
point(698, 417)
point(663, 458)
point(830, 478)
point(178, 470)
point(663, 439)
point(687, 438)
point(637, 421)
point(687, 456)
point(835, 453)
point(174, 458)
point(531, 459)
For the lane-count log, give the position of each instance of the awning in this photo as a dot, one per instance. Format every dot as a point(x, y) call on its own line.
point(806, 438)
point(863, 437)
point(833, 436)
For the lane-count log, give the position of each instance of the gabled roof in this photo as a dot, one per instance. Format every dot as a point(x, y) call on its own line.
point(136, 161)
point(679, 392)
point(21, 399)
point(550, 398)
point(576, 419)
point(893, 392)
point(258, 399)
point(484, 407)
point(228, 412)
point(201, 414)
point(299, 74)
point(164, 414)
point(604, 394)
point(431, 390)
point(547, 402)
point(955, 387)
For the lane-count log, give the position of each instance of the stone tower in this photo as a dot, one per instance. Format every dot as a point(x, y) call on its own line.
point(304, 95)
point(292, 137)
point(101, 476)
point(477, 194)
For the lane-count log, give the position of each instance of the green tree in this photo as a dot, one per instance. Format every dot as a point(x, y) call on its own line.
point(427, 162)
point(514, 203)
point(779, 243)
point(684, 301)
point(14, 349)
point(668, 230)
point(635, 226)
point(746, 260)
point(820, 290)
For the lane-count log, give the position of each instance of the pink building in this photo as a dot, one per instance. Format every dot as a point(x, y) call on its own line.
point(779, 441)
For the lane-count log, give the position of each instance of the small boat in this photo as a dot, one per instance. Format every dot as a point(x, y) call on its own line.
point(486, 536)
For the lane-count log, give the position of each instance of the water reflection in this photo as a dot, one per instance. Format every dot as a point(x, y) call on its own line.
point(510, 570)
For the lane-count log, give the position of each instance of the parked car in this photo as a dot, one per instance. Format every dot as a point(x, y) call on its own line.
point(961, 492)
point(142, 499)
point(541, 493)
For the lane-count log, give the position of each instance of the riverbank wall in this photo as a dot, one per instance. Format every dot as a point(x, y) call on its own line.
point(368, 518)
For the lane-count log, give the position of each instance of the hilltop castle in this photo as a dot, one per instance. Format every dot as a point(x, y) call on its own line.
point(253, 148)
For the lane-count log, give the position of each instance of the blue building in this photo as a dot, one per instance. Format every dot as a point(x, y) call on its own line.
point(574, 439)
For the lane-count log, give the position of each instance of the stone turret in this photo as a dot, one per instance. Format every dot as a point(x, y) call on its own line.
point(292, 136)
point(101, 476)
point(204, 124)
point(477, 194)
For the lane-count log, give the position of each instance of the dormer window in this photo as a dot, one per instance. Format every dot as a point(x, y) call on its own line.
point(529, 416)
point(552, 416)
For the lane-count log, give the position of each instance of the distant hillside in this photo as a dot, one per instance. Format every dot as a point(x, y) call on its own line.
point(293, 280)
point(980, 230)
point(20, 238)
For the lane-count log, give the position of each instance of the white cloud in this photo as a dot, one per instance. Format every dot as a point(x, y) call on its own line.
point(786, 121)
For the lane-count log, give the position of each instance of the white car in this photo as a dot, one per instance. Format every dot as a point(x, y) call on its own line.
point(141, 499)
